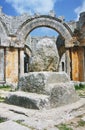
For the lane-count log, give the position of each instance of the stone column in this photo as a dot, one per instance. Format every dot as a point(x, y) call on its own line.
point(12, 66)
point(2, 64)
point(21, 63)
point(77, 54)
point(84, 64)
point(68, 69)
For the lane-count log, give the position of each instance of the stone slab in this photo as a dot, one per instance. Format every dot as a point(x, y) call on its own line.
point(11, 125)
point(45, 119)
point(28, 100)
point(44, 56)
point(62, 94)
point(83, 118)
point(37, 82)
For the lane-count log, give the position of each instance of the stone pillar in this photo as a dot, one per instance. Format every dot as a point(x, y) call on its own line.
point(2, 64)
point(81, 63)
point(84, 63)
point(67, 68)
point(21, 63)
point(77, 54)
point(11, 66)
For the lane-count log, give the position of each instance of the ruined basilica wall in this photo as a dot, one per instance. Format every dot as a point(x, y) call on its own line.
point(9, 65)
point(13, 47)
point(78, 63)
point(12, 65)
point(10, 51)
point(32, 41)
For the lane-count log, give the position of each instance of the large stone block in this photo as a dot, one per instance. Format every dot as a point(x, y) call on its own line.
point(12, 125)
point(42, 82)
point(45, 56)
point(11, 66)
point(28, 100)
point(63, 93)
point(60, 94)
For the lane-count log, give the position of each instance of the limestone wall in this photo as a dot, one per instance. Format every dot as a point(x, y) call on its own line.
point(14, 36)
point(11, 66)
point(77, 62)
point(1, 64)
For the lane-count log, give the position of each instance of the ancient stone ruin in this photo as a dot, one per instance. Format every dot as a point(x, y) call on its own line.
point(15, 44)
point(35, 68)
point(45, 56)
point(44, 86)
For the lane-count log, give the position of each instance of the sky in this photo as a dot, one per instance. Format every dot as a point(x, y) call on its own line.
point(70, 9)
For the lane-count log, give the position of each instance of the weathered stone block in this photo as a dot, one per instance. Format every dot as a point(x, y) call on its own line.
point(11, 66)
point(11, 125)
point(63, 93)
point(39, 82)
point(60, 94)
point(45, 56)
point(28, 100)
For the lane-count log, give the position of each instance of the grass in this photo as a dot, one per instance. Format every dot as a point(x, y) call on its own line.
point(75, 123)
point(63, 127)
point(2, 119)
point(80, 89)
point(23, 124)
point(81, 123)
point(5, 88)
point(2, 99)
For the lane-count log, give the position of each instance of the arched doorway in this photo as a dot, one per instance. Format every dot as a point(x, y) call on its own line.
point(26, 63)
point(45, 21)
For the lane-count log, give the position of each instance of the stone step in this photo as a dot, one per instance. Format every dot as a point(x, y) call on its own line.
point(12, 125)
point(2, 83)
point(28, 100)
point(59, 94)
point(39, 82)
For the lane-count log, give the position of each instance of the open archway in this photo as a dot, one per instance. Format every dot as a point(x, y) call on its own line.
point(3, 36)
point(44, 21)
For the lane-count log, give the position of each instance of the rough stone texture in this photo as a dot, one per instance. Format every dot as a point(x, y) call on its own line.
point(83, 118)
point(28, 100)
point(54, 84)
point(15, 33)
point(60, 94)
point(46, 56)
point(32, 41)
point(41, 119)
point(63, 93)
point(78, 64)
point(12, 125)
point(60, 45)
point(50, 22)
point(11, 66)
point(39, 82)
point(1, 64)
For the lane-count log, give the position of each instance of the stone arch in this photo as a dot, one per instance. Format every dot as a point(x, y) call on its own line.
point(83, 27)
point(27, 55)
point(45, 21)
point(27, 50)
point(3, 33)
point(4, 27)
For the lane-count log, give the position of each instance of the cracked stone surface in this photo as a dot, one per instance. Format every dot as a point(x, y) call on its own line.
point(40, 119)
point(45, 56)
